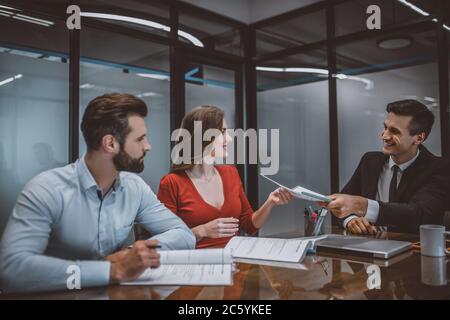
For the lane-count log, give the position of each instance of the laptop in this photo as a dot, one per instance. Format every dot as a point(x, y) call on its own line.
point(362, 246)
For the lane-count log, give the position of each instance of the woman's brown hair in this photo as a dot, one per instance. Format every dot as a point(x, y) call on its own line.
point(211, 117)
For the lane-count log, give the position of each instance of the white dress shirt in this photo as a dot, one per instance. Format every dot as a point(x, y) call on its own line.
point(373, 207)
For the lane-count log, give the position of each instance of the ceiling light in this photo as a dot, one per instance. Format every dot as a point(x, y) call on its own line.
point(320, 72)
point(17, 76)
point(9, 8)
point(35, 19)
point(195, 41)
point(143, 22)
point(22, 17)
point(86, 86)
point(300, 70)
point(31, 21)
point(414, 7)
point(6, 12)
point(148, 94)
point(153, 76)
point(25, 53)
point(367, 82)
point(270, 69)
point(395, 42)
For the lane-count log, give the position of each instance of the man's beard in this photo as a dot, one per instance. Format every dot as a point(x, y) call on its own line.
point(123, 162)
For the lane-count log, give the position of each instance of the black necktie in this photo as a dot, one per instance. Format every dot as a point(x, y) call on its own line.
point(393, 185)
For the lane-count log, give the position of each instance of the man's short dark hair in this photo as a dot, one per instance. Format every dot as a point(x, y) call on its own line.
point(108, 114)
point(422, 118)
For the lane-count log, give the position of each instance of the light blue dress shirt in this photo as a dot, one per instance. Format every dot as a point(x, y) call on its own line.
point(60, 219)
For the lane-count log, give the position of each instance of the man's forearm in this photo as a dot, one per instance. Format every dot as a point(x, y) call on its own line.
point(26, 273)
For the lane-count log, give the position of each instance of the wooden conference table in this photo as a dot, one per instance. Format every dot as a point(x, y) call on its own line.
point(322, 276)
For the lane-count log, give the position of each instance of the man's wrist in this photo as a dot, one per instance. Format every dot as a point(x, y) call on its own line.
point(362, 207)
point(116, 274)
point(347, 220)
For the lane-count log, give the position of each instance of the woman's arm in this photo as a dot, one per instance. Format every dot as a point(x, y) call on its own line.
point(278, 197)
point(217, 228)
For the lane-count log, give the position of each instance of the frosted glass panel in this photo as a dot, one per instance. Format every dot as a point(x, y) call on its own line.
point(301, 115)
point(151, 84)
point(33, 120)
point(361, 110)
point(209, 85)
point(370, 75)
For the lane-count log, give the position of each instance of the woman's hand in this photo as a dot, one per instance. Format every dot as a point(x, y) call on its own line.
point(218, 228)
point(279, 197)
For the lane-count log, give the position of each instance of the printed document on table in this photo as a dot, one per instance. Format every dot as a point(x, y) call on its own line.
point(286, 250)
point(190, 267)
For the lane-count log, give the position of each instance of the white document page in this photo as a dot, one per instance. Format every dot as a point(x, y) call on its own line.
point(301, 193)
point(186, 274)
point(280, 264)
point(213, 256)
point(190, 267)
point(287, 250)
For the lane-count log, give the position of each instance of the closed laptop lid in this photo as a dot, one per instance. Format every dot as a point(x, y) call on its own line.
point(378, 248)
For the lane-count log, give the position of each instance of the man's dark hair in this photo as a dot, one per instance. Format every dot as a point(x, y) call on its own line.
point(108, 114)
point(422, 118)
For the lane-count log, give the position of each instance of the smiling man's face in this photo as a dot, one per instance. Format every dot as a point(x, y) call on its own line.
point(396, 136)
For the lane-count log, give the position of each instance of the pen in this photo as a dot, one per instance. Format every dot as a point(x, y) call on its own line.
point(148, 246)
point(319, 222)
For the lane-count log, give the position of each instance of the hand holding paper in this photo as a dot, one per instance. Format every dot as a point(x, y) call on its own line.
point(302, 193)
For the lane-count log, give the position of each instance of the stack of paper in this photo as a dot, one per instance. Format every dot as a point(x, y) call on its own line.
point(190, 267)
point(285, 250)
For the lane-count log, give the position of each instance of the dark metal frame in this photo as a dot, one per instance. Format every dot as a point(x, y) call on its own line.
point(177, 56)
point(332, 101)
point(331, 42)
point(251, 112)
point(74, 95)
point(244, 67)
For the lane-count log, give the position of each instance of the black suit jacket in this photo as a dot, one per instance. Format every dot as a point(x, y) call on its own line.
point(422, 194)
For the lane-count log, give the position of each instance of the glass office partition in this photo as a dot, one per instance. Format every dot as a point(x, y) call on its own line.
point(205, 31)
point(293, 98)
point(351, 15)
point(372, 73)
point(209, 85)
point(293, 32)
point(118, 63)
point(34, 90)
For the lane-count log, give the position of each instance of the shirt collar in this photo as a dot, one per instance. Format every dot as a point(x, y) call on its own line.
point(405, 165)
point(87, 181)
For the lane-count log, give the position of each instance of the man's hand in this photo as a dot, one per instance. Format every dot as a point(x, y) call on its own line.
point(361, 226)
point(127, 265)
point(117, 256)
point(343, 205)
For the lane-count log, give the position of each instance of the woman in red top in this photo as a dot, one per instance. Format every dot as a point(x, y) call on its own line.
point(210, 198)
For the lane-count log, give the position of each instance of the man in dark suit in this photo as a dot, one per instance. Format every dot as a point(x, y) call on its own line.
point(400, 188)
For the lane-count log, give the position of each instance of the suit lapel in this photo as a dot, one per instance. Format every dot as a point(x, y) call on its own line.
point(412, 171)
